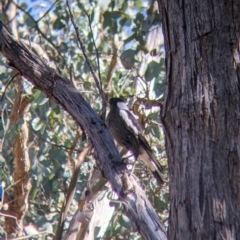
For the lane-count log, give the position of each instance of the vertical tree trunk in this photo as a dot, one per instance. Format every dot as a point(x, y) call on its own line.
point(201, 117)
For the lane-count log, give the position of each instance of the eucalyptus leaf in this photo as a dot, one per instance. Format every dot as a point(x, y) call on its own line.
point(153, 70)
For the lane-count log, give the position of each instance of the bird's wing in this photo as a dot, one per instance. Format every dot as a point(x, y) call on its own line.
point(144, 143)
point(130, 121)
point(147, 156)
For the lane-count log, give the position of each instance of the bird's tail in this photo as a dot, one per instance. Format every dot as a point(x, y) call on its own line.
point(152, 163)
point(157, 173)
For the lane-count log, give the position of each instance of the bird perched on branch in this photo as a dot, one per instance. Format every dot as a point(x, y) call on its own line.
point(127, 132)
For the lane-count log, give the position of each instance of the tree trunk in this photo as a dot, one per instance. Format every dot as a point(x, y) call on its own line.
point(201, 117)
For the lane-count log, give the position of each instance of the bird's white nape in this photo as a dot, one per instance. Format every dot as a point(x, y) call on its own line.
point(129, 120)
point(122, 105)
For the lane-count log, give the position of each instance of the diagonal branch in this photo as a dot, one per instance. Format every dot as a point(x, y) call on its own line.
point(71, 191)
point(94, 43)
point(39, 30)
point(95, 77)
point(46, 13)
point(61, 90)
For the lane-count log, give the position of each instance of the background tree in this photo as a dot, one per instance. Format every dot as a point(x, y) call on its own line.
point(124, 33)
point(201, 118)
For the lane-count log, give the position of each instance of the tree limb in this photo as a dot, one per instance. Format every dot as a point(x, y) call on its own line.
point(97, 80)
point(61, 90)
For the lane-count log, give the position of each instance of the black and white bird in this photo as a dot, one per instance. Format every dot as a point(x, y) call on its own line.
point(127, 132)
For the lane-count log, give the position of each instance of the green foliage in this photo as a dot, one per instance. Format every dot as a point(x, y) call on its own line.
point(123, 25)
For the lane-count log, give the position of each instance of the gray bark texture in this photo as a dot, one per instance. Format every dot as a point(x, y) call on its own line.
point(61, 90)
point(201, 117)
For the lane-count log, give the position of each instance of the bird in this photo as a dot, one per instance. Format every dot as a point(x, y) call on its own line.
point(127, 132)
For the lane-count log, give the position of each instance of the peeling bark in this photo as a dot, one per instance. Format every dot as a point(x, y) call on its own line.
point(21, 189)
point(201, 117)
point(58, 88)
point(18, 205)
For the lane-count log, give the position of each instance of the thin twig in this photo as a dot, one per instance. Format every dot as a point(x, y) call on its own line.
point(38, 29)
point(6, 6)
point(62, 147)
point(3, 95)
point(94, 43)
point(35, 234)
point(74, 144)
point(71, 192)
point(95, 77)
point(47, 11)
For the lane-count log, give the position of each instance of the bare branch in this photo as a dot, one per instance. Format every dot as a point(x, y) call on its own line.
point(39, 30)
point(9, 82)
point(94, 43)
point(111, 67)
point(36, 48)
point(96, 79)
point(74, 144)
point(47, 11)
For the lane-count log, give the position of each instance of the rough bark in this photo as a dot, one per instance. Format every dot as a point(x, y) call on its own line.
point(201, 117)
point(58, 88)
